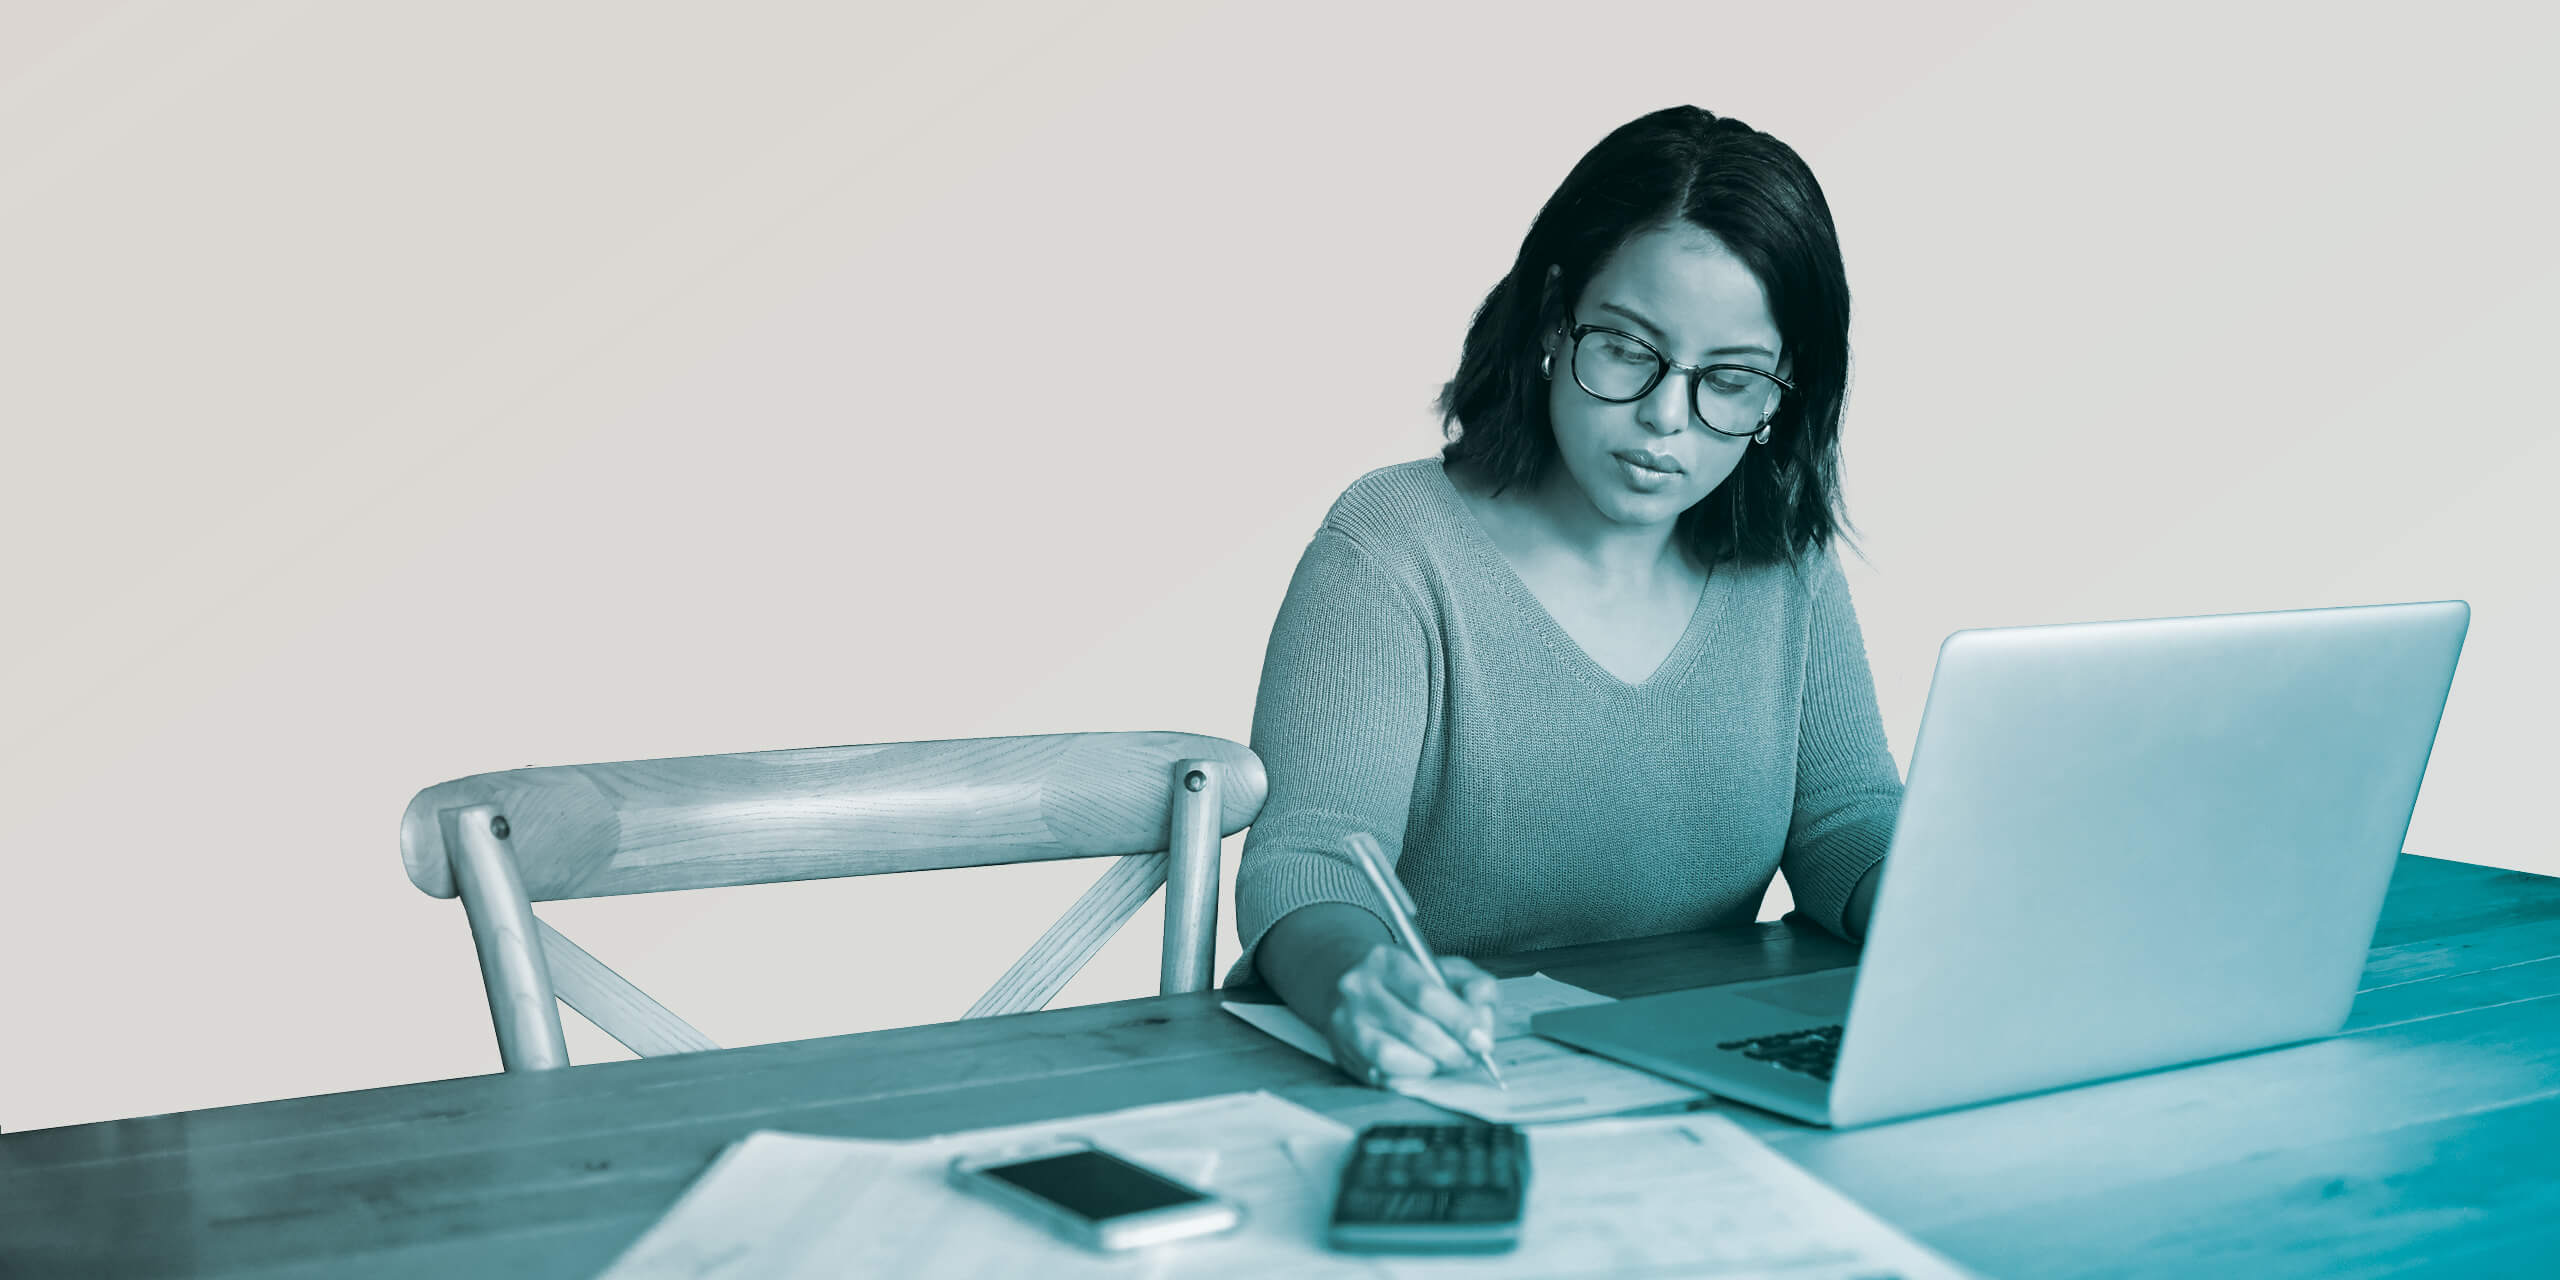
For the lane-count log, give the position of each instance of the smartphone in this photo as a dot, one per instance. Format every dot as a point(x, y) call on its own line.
point(1098, 1199)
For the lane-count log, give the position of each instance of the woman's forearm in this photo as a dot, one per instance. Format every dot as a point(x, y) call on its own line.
point(1862, 902)
point(1306, 953)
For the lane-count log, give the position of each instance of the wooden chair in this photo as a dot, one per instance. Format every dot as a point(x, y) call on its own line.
point(504, 841)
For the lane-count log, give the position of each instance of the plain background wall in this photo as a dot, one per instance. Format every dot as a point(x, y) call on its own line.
point(400, 391)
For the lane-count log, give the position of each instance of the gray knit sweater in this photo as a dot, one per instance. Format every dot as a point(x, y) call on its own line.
point(1416, 690)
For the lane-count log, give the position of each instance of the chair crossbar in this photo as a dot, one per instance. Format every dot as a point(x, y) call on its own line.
point(608, 1000)
point(1036, 978)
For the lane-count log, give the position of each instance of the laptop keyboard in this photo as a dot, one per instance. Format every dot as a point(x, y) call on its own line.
point(1810, 1052)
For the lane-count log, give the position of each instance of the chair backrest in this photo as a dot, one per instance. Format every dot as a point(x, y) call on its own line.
point(503, 841)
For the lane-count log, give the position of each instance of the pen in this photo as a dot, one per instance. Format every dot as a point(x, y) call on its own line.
point(1399, 904)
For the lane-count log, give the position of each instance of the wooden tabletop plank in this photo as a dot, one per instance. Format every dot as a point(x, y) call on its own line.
point(2525, 939)
point(1677, 961)
point(551, 1173)
point(876, 1086)
point(2455, 992)
point(267, 1213)
point(530, 1184)
point(571, 1251)
point(2371, 1205)
point(2430, 897)
point(2485, 1248)
point(769, 1083)
point(748, 1082)
point(2075, 1143)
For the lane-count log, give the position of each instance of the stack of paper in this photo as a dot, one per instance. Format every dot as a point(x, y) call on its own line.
point(1547, 1081)
point(780, 1205)
point(1679, 1195)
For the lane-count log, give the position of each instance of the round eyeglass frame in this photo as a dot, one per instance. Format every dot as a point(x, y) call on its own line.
point(1662, 365)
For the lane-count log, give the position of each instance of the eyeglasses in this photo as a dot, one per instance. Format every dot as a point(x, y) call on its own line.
point(1619, 367)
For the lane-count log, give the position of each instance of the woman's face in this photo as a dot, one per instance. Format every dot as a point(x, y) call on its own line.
point(1643, 462)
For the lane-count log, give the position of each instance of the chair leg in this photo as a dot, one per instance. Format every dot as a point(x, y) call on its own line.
point(1191, 878)
point(521, 1003)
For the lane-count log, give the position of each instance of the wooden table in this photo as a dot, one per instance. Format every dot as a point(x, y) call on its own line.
point(2424, 1140)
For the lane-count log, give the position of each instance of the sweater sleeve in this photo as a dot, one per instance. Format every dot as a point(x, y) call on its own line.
point(1338, 722)
point(1848, 791)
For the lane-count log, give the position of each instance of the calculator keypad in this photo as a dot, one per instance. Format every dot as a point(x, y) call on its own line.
point(1432, 1177)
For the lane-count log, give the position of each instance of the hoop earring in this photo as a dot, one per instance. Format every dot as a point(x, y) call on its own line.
point(1762, 435)
point(1547, 366)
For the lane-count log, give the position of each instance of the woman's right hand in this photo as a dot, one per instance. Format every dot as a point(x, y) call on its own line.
point(1391, 1021)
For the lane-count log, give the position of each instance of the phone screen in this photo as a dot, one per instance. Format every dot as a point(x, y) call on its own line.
point(1094, 1184)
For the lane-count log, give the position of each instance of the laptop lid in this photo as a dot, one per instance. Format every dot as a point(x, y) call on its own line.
point(2125, 845)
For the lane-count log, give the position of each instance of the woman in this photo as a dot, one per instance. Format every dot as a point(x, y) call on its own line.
point(1593, 672)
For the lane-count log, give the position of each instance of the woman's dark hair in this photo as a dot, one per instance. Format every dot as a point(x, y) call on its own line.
point(1751, 192)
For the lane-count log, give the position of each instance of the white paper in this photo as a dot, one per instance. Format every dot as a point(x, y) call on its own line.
point(1548, 1081)
point(1675, 1195)
point(780, 1206)
point(726, 1224)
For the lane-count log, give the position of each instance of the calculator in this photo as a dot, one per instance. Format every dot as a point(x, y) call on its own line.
point(1432, 1188)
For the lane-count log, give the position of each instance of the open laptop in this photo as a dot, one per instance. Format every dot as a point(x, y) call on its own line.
point(2122, 846)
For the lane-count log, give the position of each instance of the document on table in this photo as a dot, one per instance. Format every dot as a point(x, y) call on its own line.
point(1685, 1195)
point(1674, 1195)
point(1549, 1081)
point(779, 1206)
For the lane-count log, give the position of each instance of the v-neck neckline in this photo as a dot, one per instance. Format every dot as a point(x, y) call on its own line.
point(1675, 665)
